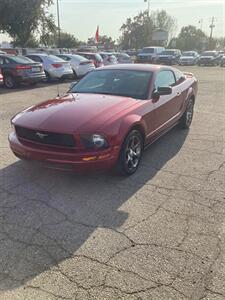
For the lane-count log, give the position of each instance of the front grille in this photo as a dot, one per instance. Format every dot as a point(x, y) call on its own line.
point(44, 137)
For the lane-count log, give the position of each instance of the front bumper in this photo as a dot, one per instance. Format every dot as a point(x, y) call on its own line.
point(64, 159)
point(187, 62)
point(165, 61)
point(207, 62)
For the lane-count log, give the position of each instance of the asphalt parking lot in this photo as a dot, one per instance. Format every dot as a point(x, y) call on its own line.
point(159, 234)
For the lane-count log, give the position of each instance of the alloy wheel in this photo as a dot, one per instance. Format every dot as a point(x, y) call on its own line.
point(133, 153)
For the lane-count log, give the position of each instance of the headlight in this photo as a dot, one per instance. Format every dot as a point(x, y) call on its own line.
point(94, 141)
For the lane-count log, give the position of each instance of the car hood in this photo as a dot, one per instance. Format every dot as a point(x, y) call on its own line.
point(74, 113)
point(187, 57)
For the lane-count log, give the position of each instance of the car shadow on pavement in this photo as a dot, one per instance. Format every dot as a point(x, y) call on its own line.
point(47, 216)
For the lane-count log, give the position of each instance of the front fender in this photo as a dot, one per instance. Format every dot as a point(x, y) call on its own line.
point(130, 122)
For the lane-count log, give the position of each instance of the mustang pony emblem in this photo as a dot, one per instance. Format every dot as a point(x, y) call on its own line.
point(41, 135)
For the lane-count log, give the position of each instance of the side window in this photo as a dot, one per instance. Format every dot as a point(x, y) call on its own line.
point(65, 58)
point(165, 79)
point(7, 61)
point(1, 61)
point(35, 58)
point(179, 76)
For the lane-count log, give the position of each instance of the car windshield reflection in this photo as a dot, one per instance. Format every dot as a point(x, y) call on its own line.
point(127, 83)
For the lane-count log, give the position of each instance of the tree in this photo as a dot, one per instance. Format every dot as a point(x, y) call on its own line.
point(67, 40)
point(163, 21)
point(191, 38)
point(104, 41)
point(22, 19)
point(137, 32)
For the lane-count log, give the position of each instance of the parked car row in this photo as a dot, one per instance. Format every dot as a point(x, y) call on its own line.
point(160, 55)
point(37, 67)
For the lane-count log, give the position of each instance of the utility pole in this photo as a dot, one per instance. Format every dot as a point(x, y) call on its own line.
point(59, 30)
point(211, 26)
point(201, 24)
point(148, 6)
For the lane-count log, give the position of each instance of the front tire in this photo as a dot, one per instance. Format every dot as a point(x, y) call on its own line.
point(130, 153)
point(187, 117)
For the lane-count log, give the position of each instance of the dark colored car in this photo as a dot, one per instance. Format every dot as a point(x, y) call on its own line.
point(106, 119)
point(209, 58)
point(169, 57)
point(222, 63)
point(95, 57)
point(20, 69)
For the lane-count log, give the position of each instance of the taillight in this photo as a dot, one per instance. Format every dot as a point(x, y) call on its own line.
point(18, 68)
point(57, 65)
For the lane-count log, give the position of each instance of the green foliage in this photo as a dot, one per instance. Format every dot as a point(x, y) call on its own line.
point(22, 19)
point(67, 40)
point(191, 38)
point(104, 41)
point(137, 32)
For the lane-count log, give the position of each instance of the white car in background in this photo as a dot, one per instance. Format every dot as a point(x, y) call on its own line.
point(123, 58)
point(55, 68)
point(80, 65)
point(108, 58)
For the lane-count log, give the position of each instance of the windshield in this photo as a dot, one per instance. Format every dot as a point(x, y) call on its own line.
point(208, 54)
point(168, 53)
point(54, 58)
point(128, 83)
point(188, 54)
point(148, 50)
point(21, 59)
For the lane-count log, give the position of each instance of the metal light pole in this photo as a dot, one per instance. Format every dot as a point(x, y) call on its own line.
point(212, 26)
point(148, 6)
point(59, 30)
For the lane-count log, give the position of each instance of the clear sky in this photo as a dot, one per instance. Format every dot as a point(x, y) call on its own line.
point(81, 17)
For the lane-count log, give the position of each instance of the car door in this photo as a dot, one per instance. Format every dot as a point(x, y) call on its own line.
point(167, 107)
point(6, 65)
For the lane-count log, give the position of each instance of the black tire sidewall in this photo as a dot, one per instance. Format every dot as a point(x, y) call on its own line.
point(13, 80)
point(183, 122)
point(121, 166)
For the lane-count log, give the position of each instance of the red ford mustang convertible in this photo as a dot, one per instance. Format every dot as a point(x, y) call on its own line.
point(106, 119)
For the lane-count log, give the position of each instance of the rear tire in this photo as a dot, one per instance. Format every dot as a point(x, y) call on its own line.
point(10, 82)
point(48, 78)
point(186, 119)
point(130, 153)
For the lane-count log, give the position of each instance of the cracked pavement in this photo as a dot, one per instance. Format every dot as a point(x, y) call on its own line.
point(159, 234)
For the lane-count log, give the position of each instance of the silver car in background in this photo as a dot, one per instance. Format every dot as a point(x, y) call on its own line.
point(123, 58)
point(55, 68)
point(189, 58)
point(108, 58)
point(80, 65)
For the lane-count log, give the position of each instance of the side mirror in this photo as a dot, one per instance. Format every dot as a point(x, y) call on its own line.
point(161, 91)
point(167, 90)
